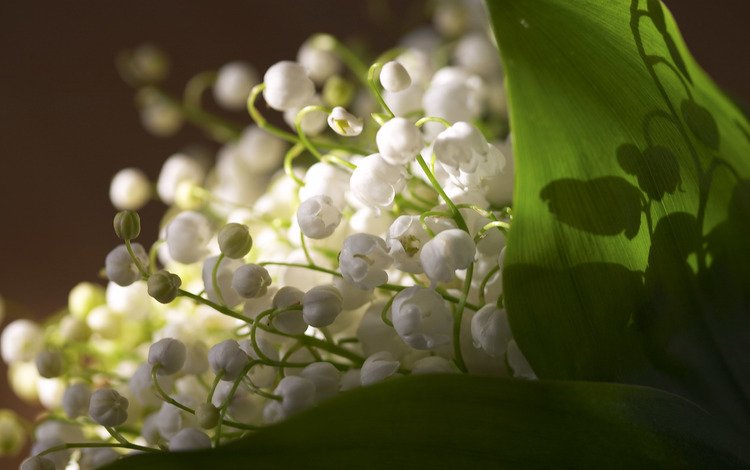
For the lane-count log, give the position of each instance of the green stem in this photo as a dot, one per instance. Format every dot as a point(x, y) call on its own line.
point(135, 260)
point(460, 222)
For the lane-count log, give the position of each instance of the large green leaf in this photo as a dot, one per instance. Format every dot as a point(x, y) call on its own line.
point(632, 203)
point(475, 422)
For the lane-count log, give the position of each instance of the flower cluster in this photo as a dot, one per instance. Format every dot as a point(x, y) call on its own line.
point(377, 250)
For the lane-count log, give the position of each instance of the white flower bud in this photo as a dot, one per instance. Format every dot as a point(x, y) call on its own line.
point(141, 386)
point(103, 321)
point(375, 183)
point(344, 123)
point(352, 297)
point(518, 363)
point(75, 400)
point(290, 322)
point(317, 217)
point(432, 365)
point(297, 393)
point(233, 84)
point(49, 363)
point(120, 267)
point(325, 179)
point(319, 63)
point(287, 86)
point(38, 463)
point(261, 375)
point(228, 359)
point(251, 281)
point(448, 251)
point(130, 189)
point(94, 458)
point(168, 355)
point(313, 122)
point(177, 169)
point(421, 318)
point(405, 239)
point(476, 53)
point(235, 240)
point(325, 377)
point(108, 408)
point(207, 415)
point(460, 147)
point(189, 439)
point(321, 305)
point(378, 367)
point(259, 151)
point(399, 141)
point(187, 237)
point(490, 330)
point(394, 77)
point(172, 419)
point(20, 341)
point(363, 260)
point(224, 275)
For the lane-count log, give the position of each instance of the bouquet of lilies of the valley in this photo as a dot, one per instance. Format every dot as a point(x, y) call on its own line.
point(335, 291)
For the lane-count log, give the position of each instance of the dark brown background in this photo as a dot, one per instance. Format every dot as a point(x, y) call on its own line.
point(68, 123)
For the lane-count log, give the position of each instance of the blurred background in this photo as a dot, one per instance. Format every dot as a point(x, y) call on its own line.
point(68, 122)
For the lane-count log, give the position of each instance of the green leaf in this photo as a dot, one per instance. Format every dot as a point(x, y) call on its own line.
point(479, 422)
point(632, 203)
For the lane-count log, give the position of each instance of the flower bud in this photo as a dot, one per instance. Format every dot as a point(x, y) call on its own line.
point(84, 297)
point(319, 62)
point(344, 123)
point(338, 91)
point(120, 267)
point(76, 400)
point(297, 393)
point(127, 225)
point(448, 251)
point(394, 77)
point(317, 217)
point(189, 439)
point(490, 330)
point(49, 363)
point(163, 286)
point(289, 322)
point(167, 355)
point(108, 408)
point(325, 377)
point(363, 260)
point(187, 237)
point(12, 434)
point(234, 82)
point(421, 318)
point(378, 367)
point(321, 305)
point(177, 169)
point(20, 341)
point(228, 359)
point(375, 183)
point(399, 141)
point(207, 415)
point(235, 240)
point(130, 189)
point(287, 86)
point(251, 281)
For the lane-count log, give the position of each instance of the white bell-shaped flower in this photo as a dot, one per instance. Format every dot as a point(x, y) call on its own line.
point(364, 259)
point(421, 318)
point(224, 275)
point(518, 363)
point(178, 169)
point(476, 53)
point(120, 267)
point(233, 84)
point(399, 141)
point(490, 330)
point(405, 239)
point(291, 321)
point(168, 355)
point(297, 393)
point(378, 367)
point(189, 439)
point(108, 408)
point(228, 359)
point(325, 179)
point(261, 375)
point(187, 237)
point(325, 377)
point(318, 217)
point(319, 62)
point(259, 152)
point(394, 77)
point(375, 183)
point(287, 86)
point(251, 281)
point(460, 147)
point(432, 365)
point(76, 399)
point(93, 458)
point(344, 123)
point(130, 189)
point(448, 251)
point(352, 297)
point(141, 386)
point(321, 305)
point(20, 341)
point(313, 122)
